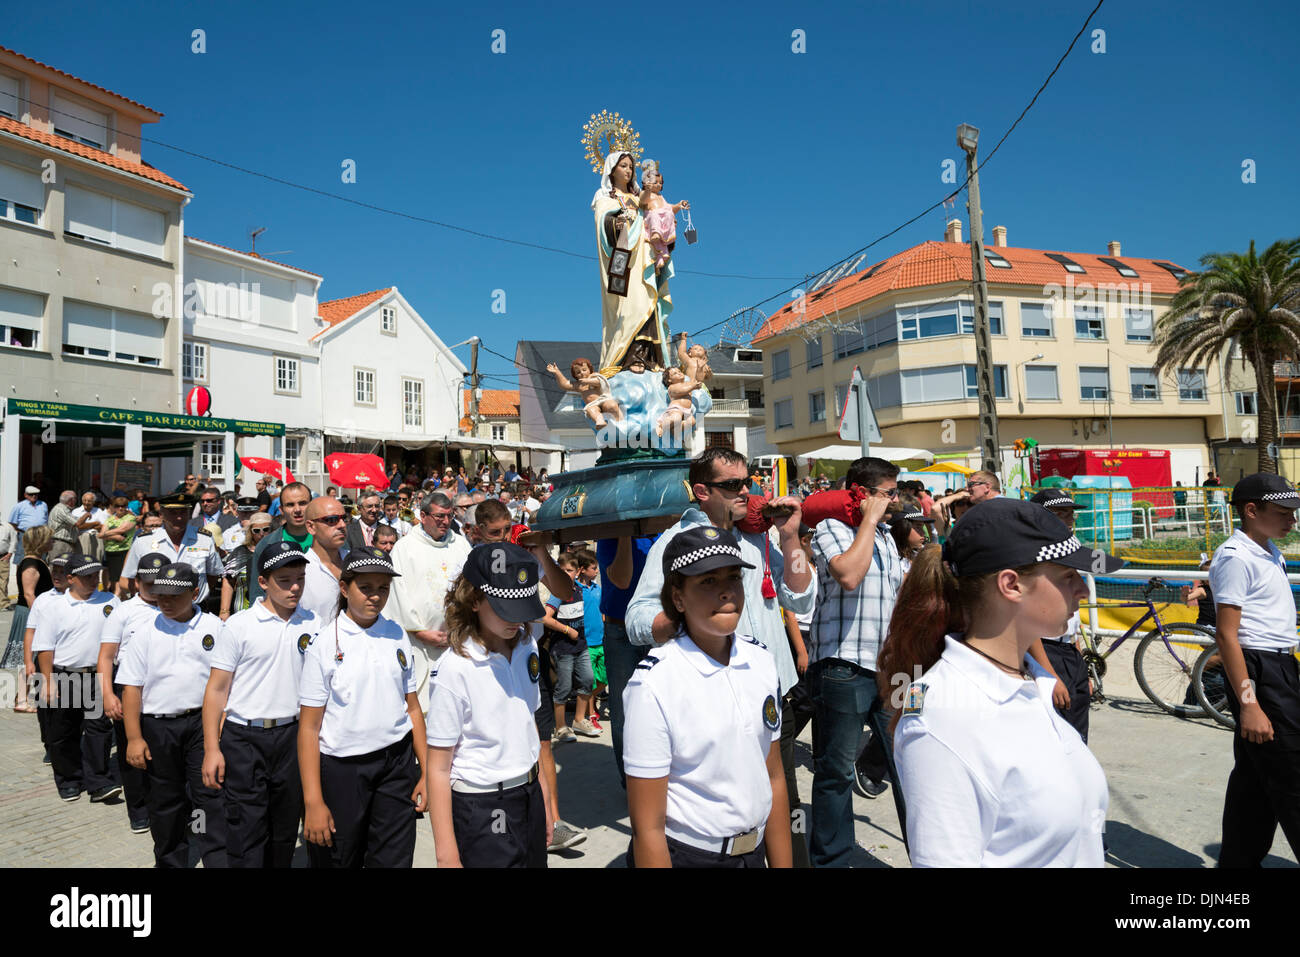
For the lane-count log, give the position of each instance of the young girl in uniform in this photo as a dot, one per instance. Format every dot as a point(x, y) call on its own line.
point(702, 744)
point(361, 730)
point(994, 775)
point(488, 806)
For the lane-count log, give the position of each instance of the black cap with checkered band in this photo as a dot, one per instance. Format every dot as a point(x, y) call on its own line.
point(150, 565)
point(369, 560)
point(507, 575)
point(700, 549)
point(84, 565)
point(175, 578)
point(1008, 533)
point(1055, 498)
point(1264, 487)
point(279, 553)
point(913, 513)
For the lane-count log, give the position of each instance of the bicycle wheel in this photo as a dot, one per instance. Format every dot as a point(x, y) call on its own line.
point(1211, 684)
point(1165, 673)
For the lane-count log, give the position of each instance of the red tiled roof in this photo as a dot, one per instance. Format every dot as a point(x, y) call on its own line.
point(244, 252)
point(495, 404)
point(88, 152)
point(340, 310)
point(95, 86)
point(935, 263)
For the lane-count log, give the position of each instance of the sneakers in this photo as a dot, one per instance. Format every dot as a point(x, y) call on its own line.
point(563, 735)
point(595, 722)
point(564, 836)
point(866, 787)
point(70, 794)
point(140, 827)
point(586, 729)
point(105, 793)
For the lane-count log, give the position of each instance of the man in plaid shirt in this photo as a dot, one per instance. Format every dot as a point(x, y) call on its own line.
point(859, 572)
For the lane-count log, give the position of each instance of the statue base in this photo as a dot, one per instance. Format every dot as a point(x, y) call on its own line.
point(633, 495)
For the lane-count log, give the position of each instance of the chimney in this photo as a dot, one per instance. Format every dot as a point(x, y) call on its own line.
point(952, 233)
point(999, 236)
point(1112, 248)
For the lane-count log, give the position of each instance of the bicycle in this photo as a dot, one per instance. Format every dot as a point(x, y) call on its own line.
point(1165, 678)
point(1211, 684)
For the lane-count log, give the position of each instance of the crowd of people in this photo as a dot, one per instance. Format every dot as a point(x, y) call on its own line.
point(306, 663)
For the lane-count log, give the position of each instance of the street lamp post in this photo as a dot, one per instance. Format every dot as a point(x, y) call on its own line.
point(990, 451)
point(1022, 386)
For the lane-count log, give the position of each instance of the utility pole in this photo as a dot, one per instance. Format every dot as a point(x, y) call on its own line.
point(475, 391)
point(990, 450)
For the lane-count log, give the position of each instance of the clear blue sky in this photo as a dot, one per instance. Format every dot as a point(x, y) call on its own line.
point(789, 161)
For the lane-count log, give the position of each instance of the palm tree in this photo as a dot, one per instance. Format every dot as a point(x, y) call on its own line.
point(1247, 301)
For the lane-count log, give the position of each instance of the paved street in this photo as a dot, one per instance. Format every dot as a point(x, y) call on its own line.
point(1166, 794)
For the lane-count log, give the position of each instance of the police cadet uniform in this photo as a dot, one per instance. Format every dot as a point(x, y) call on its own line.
point(118, 630)
point(706, 726)
point(78, 733)
point(195, 549)
point(482, 704)
point(994, 775)
point(262, 792)
point(1061, 650)
point(1264, 784)
point(169, 661)
point(361, 677)
point(41, 609)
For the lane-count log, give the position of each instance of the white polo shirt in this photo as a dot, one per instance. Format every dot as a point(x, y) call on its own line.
point(1254, 580)
point(124, 621)
point(40, 609)
point(1071, 631)
point(197, 551)
point(994, 776)
point(482, 705)
point(71, 628)
point(320, 589)
point(265, 653)
point(364, 695)
point(708, 728)
point(170, 661)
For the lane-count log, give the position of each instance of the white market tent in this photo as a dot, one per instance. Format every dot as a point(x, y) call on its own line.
point(847, 453)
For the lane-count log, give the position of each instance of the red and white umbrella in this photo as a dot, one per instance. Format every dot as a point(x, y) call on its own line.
point(267, 467)
point(354, 470)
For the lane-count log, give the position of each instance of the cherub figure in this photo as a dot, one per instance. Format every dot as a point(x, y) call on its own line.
point(592, 387)
point(679, 399)
point(694, 360)
point(660, 216)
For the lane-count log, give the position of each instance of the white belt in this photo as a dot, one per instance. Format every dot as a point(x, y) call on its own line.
point(730, 846)
point(261, 722)
point(464, 787)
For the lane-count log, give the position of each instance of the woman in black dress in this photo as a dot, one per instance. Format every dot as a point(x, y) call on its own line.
point(33, 579)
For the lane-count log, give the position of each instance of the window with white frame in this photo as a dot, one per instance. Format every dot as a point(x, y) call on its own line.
point(364, 390)
point(115, 334)
point(1089, 322)
point(1036, 320)
point(850, 340)
point(1144, 385)
point(413, 403)
point(194, 362)
point(817, 406)
point(814, 352)
point(948, 383)
point(114, 222)
point(388, 320)
point(498, 433)
point(968, 318)
point(1137, 325)
point(781, 364)
point(783, 414)
point(1191, 385)
point(21, 315)
point(1094, 382)
point(212, 458)
point(10, 97)
point(999, 382)
point(1246, 403)
point(292, 452)
point(1041, 383)
point(286, 375)
point(22, 195)
point(79, 122)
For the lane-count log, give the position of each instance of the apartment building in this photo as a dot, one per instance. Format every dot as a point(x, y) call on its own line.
point(1072, 351)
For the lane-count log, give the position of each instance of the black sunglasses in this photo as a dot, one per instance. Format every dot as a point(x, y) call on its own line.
point(329, 519)
point(729, 485)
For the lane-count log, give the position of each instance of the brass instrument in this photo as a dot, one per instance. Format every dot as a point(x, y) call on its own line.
point(407, 516)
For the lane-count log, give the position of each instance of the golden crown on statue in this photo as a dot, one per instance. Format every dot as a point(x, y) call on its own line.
point(617, 134)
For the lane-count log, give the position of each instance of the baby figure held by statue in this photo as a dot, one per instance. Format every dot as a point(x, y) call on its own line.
point(679, 400)
point(660, 216)
point(592, 387)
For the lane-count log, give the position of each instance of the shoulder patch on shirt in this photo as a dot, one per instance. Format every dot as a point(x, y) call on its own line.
point(534, 667)
point(915, 702)
point(304, 642)
point(771, 716)
point(401, 659)
point(108, 610)
point(208, 642)
point(648, 662)
point(753, 641)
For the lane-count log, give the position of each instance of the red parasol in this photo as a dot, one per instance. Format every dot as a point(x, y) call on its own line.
point(268, 467)
point(353, 470)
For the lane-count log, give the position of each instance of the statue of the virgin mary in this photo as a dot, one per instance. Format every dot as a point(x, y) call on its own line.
point(635, 302)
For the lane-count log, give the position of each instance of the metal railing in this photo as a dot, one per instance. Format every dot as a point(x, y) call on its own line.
point(1289, 423)
point(1286, 368)
point(732, 407)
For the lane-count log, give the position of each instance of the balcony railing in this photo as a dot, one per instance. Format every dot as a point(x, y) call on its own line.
point(1288, 424)
point(1286, 368)
point(732, 407)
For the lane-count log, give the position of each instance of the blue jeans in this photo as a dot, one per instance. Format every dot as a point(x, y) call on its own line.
point(572, 673)
point(621, 657)
point(844, 700)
